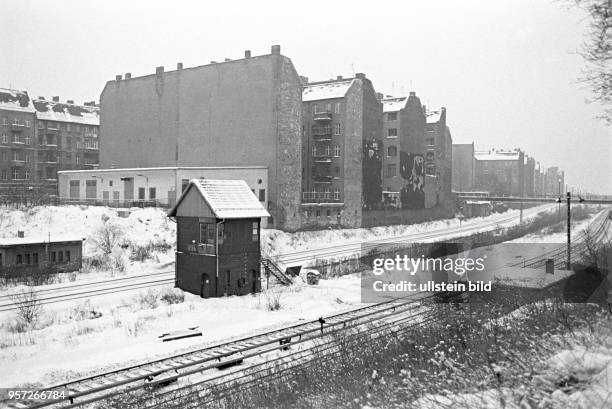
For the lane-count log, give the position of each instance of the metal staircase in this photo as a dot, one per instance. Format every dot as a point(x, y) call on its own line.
point(269, 267)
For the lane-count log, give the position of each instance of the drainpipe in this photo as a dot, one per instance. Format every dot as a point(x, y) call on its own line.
point(217, 253)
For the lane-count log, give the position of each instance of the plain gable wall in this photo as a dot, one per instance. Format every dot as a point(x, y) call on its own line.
point(237, 113)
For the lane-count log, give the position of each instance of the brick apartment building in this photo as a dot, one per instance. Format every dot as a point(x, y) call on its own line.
point(38, 138)
point(438, 157)
point(244, 112)
point(554, 182)
point(500, 172)
point(463, 167)
point(342, 151)
point(403, 152)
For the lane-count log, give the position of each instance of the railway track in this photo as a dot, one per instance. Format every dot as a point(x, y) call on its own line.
point(133, 378)
point(77, 291)
point(348, 249)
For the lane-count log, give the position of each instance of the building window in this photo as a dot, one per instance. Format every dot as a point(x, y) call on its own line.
point(78, 160)
point(141, 193)
point(337, 108)
point(16, 138)
point(337, 129)
point(314, 150)
point(328, 107)
point(35, 258)
point(28, 140)
point(152, 193)
point(430, 141)
point(15, 174)
point(336, 193)
point(207, 239)
point(28, 157)
point(255, 232)
point(41, 125)
point(4, 138)
point(16, 155)
point(68, 142)
point(262, 195)
point(110, 182)
point(26, 174)
point(60, 256)
point(19, 259)
point(27, 123)
point(392, 116)
point(53, 257)
point(67, 255)
point(3, 155)
point(3, 174)
point(337, 150)
point(4, 121)
point(430, 170)
point(392, 132)
point(315, 109)
point(392, 151)
point(390, 170)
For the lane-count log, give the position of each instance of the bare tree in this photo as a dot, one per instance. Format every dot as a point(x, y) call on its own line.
point(597, 52)
point(29, 307)
point(107, 237)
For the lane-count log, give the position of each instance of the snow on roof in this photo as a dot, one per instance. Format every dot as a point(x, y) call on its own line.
point(228, 199)
point(13, 241)
point(326, 90)
point(394, 104)
point(433, 117)
point(15, 100)
point(64, 112)
point(497, 155)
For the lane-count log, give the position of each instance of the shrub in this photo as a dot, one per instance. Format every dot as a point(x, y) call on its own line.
point(29, 307)
point(84, 311)
point(273, 299)
point(172, 296)
point(107, 237)
point(149, 299)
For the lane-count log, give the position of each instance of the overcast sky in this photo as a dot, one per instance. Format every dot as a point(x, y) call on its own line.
point(506, 70)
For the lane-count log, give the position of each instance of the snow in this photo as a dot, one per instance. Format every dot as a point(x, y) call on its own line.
point(326, 90)
point(9, 100)
point(433, 117)
point(394, 104)
point(38, 239)
point(497, 155)
point(228, 199)
point(122, 336)
point(88, 115)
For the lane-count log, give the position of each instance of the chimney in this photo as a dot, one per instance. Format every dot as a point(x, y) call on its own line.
point(276, 49)
point(70, 101)
point(304, 80)
point(20, 234)
point(159, 70)
point(56, 99)
point(412, 94)
point(213, 62)
point(360, 75)
point(339, 77)
point(41, 98)
point(379, 96)
point(247, 53)
point(128, 75)
point(179, 65)
point(118, 77)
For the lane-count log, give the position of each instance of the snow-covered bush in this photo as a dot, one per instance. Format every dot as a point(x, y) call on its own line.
point(107, 237)
point(172, 296)
point(272, 298)
point(148, 299)
point(84, 311)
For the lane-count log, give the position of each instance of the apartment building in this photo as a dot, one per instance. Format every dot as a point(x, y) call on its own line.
point(40, 137)
point(463, 167)
point(342, 151)
point(500, 172)
point(244, 112)
point(438, 157)
point(404, 183)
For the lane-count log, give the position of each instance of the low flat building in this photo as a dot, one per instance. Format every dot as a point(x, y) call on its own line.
point(30, 255)
point(218, 238)
point(151, 186)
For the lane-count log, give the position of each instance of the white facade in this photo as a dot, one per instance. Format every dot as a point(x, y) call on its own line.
point(150, 186)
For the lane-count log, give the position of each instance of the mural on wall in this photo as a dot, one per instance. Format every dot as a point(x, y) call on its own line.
point(372, 177)
point(412, 170)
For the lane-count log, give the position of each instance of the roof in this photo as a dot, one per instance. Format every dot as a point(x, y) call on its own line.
point(160, 168)
point(394, 104)
point(15, 100)
point(64, 112)
point(497, 155)
point(228, 199)
point(326, 90)
point(433, 117)
point(14, 241)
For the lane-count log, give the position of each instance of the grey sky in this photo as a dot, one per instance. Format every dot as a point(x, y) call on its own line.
point(506, 70)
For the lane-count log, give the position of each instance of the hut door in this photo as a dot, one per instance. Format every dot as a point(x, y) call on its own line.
point(128, 189)
point(205, 286)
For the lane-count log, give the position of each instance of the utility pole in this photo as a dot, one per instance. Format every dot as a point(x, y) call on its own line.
point(569, 233)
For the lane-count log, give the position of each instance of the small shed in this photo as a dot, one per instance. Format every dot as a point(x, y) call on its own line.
point(218, 232)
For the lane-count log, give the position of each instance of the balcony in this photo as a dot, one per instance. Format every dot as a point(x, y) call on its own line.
point(48, 146)
point(51, 131)
point(322, 178)
point(322, 157)
point(16, 127)
point(323, 133)
point(320, 197)
point(322, 116)
point(17, 162)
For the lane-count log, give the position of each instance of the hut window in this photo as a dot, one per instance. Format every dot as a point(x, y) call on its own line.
point(255, 232)
point(207, 238)
point(35, 258)
point(60, 256)
point(19, 259)
point(28, 258)
point(67, 255)
point(220, 234)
